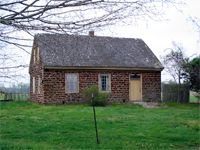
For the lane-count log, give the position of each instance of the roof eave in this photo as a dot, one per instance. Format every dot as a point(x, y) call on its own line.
point(101, 68)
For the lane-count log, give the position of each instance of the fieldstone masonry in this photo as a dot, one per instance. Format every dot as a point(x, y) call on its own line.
point(52, 86)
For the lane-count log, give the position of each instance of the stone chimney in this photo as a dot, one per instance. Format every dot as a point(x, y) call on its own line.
point(91, 33)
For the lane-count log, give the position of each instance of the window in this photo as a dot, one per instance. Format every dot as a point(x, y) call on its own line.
point(135, 77)
point(33, 84)
point(104, 82)
point(71, 83)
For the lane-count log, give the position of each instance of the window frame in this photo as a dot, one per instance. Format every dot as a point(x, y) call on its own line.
point(109, 84)
point(66, 83)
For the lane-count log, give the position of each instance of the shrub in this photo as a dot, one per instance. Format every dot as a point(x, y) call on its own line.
point(100, 98)
point(88, 91)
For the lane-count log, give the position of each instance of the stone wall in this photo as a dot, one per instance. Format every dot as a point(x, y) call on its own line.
point(54, 86)
point(36, 71)
point(51, 89)
point(151, 86)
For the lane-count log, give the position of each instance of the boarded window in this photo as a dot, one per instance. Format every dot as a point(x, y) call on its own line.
point(72, 83)
point(33, 84)
point(104, 83)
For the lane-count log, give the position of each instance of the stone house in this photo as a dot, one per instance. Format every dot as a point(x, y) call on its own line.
point(62, 65)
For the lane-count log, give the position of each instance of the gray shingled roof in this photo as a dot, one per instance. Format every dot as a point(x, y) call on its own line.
point(62, 50)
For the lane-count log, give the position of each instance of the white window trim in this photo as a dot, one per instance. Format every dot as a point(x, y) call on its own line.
point(66, 83)
point(109, 76)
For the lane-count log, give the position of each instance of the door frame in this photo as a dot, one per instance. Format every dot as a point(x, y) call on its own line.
point(130, 85)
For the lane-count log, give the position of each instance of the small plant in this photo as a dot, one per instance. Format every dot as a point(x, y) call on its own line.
point(100, 98)
point(88, 91)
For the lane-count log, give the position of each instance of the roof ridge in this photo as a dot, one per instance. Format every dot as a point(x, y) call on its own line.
point(82, 35)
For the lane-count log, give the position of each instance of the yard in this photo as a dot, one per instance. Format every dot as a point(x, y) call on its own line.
point(27, 125)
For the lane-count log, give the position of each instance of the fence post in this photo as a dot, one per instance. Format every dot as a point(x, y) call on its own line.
point(95, 120)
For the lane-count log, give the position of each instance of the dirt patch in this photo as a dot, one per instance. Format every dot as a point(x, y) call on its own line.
point(148, 104)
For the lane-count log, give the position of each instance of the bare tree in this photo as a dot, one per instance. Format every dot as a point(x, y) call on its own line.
point(196, 24)
point(11, 64)
point(69, 16)
point(173, 62)
point(72, 16)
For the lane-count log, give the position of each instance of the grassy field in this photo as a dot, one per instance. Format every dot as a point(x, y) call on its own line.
point(26, 125)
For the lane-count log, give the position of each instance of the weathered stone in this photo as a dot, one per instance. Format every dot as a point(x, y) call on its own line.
point(52, 89)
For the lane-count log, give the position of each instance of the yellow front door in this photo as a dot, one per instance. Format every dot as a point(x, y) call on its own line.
point(135, 89)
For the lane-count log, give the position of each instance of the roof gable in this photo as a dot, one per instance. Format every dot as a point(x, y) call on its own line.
point(62, 50)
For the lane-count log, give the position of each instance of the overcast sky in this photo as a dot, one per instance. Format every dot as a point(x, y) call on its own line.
point(157, 35)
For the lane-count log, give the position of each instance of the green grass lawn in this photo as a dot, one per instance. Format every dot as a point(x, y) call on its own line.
point(27, 125)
